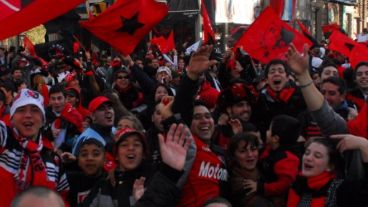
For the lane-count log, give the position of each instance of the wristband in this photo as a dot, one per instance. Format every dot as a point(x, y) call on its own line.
point(306, 85)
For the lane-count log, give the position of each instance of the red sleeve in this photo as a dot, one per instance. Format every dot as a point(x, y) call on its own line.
point(293, 199)
point(286, 170)
point(64, 196)
point(70, 114)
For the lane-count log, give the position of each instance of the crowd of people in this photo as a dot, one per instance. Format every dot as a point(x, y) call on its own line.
point(199, 129)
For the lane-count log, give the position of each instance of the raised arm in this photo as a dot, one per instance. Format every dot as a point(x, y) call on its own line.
point(351, 142)
point(162, 190)
point(299, 64)
point(198, 64)
point(329, 121)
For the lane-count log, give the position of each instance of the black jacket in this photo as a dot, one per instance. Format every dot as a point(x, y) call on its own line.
point(121, 194)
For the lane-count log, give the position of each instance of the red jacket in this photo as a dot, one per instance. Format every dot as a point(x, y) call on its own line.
point(281, 169)
point(203, 182)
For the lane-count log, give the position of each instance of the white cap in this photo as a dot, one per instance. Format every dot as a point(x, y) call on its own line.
point(164, 69)
point(27, 97)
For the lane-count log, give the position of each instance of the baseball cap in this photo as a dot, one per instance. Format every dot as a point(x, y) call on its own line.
point(27, 97)
point(97, 102)
point(124, 133)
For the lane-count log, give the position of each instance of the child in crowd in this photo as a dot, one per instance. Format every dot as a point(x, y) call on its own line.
point(130, 151)
point(278, 164)
point(90, 154)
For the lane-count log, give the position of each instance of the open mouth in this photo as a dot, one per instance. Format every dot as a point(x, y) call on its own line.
point(250, 161)
point(277, 82)
point(307, 167)
point(108, 116)
point(204, 129)
point(131, 157)
point(28, 125)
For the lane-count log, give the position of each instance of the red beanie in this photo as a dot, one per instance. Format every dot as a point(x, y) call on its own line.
point(208, 94)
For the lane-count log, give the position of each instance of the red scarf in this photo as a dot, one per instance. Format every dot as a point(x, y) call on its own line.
point(32, 170)
point(313, 184)
point(281, 96)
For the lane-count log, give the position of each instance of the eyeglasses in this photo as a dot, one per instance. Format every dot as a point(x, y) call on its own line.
point(122, 77)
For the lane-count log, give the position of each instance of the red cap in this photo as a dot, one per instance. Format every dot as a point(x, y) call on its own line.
point(97, 102)
point(124, 133)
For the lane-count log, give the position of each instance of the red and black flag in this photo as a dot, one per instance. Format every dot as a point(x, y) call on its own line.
point(278, 6)
point(164, 44)
point(208, 33)
point(30, 13)
point(269, 37)
point(329, 28)
point(306, 32)
point(358, 54)
point(341, 43)
point(126, 23)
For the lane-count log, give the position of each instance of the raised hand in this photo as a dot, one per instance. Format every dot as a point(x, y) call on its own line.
point(351, 142)
point(165, 106)
point(138, 188)
point(174, 148)
point(223, 119)
point(200, 62)
point(88, 55)
point(236, 126)
point(299, 63)
point(68, 157)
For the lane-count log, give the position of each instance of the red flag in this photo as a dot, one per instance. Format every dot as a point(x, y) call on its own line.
point(34, 14)
point(278, 6)
point(125, 23)
point(330, 28)
point(28, 45)
point(358, 54)
point(269, 37)
point(359, 125)
point(208, 33)
point(341, 43)
point(306, 32)
point(302, 27)
point(9, 7)
point(165, 45)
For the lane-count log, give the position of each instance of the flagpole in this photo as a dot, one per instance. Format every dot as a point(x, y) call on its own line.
point(79, 42)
